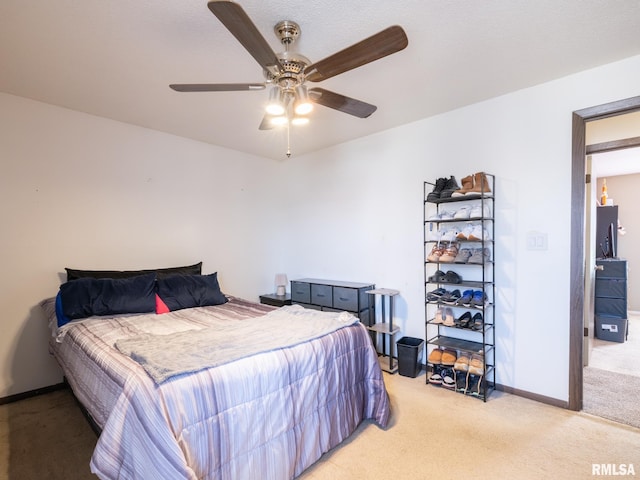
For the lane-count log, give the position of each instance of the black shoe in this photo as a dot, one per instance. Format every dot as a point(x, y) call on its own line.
point(435, 295)
point(451, 277)
point(450, 298)
point(474, 385)
point(477, 322)
point(461, 381)
point(437, 277)
point(464, 320)
point(437, 190)
point(450, 187)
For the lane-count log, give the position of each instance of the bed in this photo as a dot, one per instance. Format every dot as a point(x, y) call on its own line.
point(247, 407)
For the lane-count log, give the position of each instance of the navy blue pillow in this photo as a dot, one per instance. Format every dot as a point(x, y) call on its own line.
point(187, 291)
point(74, 274)
point(86, 297)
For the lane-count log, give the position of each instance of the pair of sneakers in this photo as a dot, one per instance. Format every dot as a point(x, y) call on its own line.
point(474, 232)
point(472, 211)
point(472, 298)
point(443, 252)
point(480, 256)
point(443, 377)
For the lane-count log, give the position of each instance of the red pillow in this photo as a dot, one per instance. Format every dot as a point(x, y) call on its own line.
point(161, 307)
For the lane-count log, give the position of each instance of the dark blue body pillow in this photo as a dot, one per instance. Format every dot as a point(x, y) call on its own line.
point(187, 291)
point(86, 297)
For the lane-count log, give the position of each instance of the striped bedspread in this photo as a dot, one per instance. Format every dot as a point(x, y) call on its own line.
point(268, 416)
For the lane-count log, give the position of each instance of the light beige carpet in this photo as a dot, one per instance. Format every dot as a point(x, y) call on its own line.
point(433, 434)
point(443, 435)
point(612, 395)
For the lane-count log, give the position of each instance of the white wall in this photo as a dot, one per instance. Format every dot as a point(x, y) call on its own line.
point(85, 192)
point(358, 211)
point(351, 212)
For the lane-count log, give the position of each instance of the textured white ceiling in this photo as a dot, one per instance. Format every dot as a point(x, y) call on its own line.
point(116, 58)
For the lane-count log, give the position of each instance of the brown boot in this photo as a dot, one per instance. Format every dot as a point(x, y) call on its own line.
point(467, 184)
point(480, 185)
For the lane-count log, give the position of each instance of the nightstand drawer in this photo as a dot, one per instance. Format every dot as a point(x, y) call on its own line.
point(321, 295)
point(300, 292)
point(345, 299)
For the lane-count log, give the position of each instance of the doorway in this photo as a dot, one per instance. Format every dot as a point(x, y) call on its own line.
point(577, 264)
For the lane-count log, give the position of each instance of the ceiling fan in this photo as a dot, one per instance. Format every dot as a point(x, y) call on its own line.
point(287, 72)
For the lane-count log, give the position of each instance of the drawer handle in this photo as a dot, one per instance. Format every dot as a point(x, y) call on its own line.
point(600, 267)
point(320, 295)
point(342, 299)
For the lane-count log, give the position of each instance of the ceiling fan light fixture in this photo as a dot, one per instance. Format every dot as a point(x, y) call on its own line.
point(278, 120)
point(303, 104)
point(298, 120)
point(275, 106)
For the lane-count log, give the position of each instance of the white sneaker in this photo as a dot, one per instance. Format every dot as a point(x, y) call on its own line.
point(478, 233)
point(444, 215)
point(465, 232)
point(480, 211)
point(462, 213)
point(449, 235)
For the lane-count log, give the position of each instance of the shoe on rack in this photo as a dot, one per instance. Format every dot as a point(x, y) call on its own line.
point(436, 295)
point(448, 380)
point(479, 299)
point(480, 256)
point(480, 211)
point(467, 184)
point(450, 253)
point(435, 357)
point(478, 234)
point(465, 232)
point(435, 378)
point(463, 256)
point(476, 364)
point(437, 190)
point(462, 363)
point(450, 298)
point(446, 215)
point(438, 317)
point(462, 213)
point(480, 185)
point(449, 320)
point(465, 299)
point(449, 235)
point(451, 277)
point(477, 322)
point(463, 320)
point(449, 357)
point(474, 385)
point(450, 187)
point(437, 250)
point(437, 277)
point(461, 380)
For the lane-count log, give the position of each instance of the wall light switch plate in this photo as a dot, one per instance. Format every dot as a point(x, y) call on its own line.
point(537, 241)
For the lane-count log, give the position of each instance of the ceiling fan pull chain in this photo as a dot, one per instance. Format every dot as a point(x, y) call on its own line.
point(288, 140)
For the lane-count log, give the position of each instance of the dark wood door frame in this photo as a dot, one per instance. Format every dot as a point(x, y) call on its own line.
point(577, 273)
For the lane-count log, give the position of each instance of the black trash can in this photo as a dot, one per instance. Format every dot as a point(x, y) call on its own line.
point(409, 356)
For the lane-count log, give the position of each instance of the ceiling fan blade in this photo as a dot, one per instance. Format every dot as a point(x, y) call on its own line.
point(341, 103)
point(240, 25)
point(266, 123)
point(216, 87)
point(386, 42)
